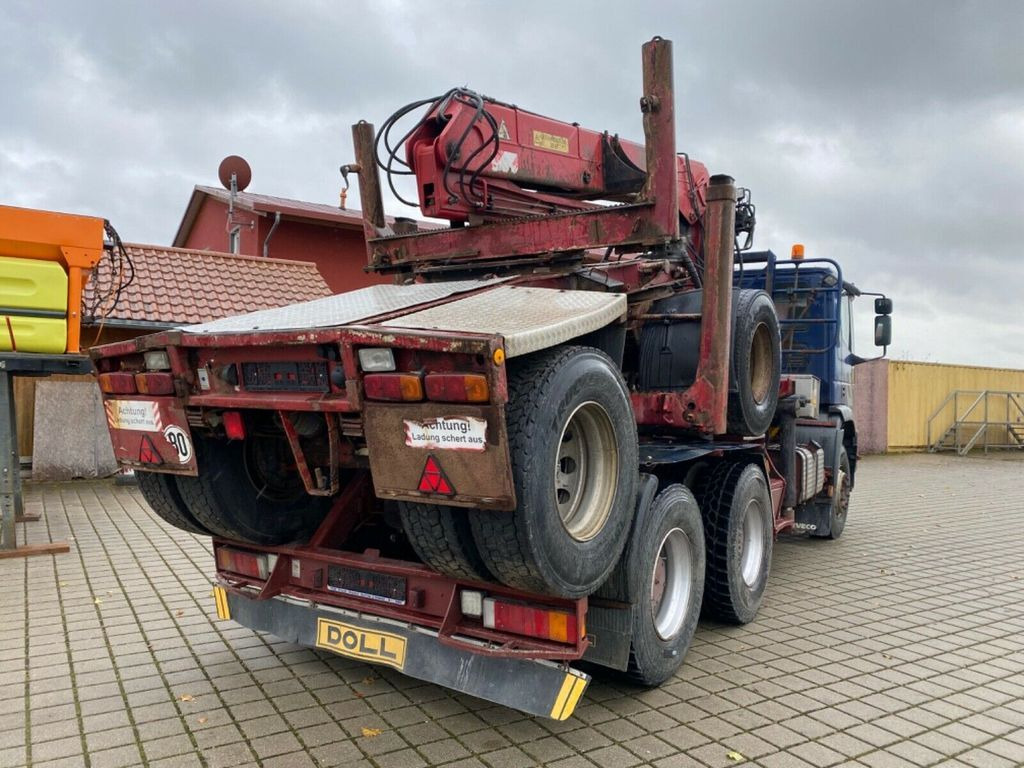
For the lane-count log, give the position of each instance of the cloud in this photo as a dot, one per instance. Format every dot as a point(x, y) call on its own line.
point(888, 135)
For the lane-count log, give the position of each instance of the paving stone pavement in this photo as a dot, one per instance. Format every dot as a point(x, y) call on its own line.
point(900, 644)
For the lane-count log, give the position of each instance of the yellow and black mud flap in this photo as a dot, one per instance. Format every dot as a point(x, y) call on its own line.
point(537, 687)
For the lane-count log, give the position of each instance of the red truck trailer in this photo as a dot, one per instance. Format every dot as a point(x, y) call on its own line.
point(557, 437)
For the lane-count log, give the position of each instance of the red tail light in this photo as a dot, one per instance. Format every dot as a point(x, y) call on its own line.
point(255, 566)
point(406, 387)
point(457, 387)
point(534, 621)
point(234, 425)
point(154, 383)
point(119, 383)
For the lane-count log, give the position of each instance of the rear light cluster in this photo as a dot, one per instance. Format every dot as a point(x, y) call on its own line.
point(442, 387)
point(125, 383)
point(251, 564)
point(155, 379)
point(544, 622)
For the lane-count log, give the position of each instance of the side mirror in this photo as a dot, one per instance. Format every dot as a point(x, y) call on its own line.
point(883, 306)
point(883, 327)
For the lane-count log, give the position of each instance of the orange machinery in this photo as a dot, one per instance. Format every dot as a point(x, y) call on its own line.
point(75, 242)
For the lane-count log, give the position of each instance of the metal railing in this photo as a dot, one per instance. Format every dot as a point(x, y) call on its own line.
point(992, 419)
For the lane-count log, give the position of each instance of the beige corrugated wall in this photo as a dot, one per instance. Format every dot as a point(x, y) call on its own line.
point(917, 389)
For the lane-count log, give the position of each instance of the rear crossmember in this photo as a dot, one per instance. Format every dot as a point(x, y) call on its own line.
point(408, 617)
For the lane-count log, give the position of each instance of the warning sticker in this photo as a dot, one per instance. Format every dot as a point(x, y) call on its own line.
point(550, 141)
point(454, 433)
point(505, 162)
point(503, 131)
point(140, 415)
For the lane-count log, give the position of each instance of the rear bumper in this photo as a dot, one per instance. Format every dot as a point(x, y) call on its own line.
point(536, 687)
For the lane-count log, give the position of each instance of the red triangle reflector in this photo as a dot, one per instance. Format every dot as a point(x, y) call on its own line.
point(433, 479)
point(148, 454)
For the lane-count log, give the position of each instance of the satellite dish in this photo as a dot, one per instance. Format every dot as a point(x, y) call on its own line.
point(233, 165)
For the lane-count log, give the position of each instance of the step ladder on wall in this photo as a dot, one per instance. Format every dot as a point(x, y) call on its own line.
point(987, 418)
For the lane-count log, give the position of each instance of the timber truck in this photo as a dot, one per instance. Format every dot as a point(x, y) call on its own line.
point(578, 417)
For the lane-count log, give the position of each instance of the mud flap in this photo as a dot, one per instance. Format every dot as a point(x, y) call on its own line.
point(533, 686)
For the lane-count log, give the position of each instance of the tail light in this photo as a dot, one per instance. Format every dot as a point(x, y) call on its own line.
point(457, 387)
point(119, 383)
point(534, 621)
point(251, 564)
point(234, 425)
point(406, 387)
point(154, 383)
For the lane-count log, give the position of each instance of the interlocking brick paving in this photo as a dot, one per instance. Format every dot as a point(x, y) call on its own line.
point(902, 644)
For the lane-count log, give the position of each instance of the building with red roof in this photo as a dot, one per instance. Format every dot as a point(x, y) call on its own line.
point(280, 228)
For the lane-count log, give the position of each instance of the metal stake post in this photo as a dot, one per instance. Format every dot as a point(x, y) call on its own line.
point(11, 505)
point(10, 464)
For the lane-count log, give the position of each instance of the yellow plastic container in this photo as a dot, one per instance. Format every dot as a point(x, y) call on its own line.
point(43, 335)
point(33, 284)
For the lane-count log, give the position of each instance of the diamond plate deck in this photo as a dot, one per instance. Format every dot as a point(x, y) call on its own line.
point(530, 319)
point(341, 309)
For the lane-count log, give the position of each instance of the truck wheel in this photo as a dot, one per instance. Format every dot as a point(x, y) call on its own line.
point(664, 569)
point(840, 501)
point(572, 440)
point(249, 491)
point(161, 493)
point(756, 364)
point(740, 532)
point(443, 539)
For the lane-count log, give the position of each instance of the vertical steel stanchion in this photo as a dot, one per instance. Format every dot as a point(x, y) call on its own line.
point(10, 463)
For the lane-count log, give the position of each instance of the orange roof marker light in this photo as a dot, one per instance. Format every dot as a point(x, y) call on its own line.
point(797, 254)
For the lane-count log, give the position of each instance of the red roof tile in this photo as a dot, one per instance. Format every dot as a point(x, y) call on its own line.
point(178, 285)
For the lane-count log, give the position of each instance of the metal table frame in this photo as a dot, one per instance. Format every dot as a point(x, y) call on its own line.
point(14, 364)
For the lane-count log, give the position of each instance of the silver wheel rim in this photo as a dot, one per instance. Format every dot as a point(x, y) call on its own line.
point(671, 583)
point(752, 550)
point(586, 468)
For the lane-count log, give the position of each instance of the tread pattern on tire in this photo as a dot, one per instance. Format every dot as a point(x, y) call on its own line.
point(715, 504)
point(224, 501)
point(204, 508)
point(442, 537)
point(635, 672)
point(735, 418)
point(161, 494)
point(526, 385)
point(525, 554)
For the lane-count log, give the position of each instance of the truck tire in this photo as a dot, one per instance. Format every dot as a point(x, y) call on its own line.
point(161, 493)
point(573, 445)
point(840, 502)
point(756, 364)
point(443, 539)
point(663, 570)
point(739, 530)
point(246, 491)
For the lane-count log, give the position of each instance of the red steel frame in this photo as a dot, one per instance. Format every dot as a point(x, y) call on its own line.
point(651, 221)
point(432, 599)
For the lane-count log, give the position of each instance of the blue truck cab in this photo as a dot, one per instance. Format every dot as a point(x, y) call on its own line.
point(815, 309)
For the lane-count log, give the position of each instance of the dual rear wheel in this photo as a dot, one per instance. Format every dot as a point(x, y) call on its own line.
point(248, 491)
point(573, 445)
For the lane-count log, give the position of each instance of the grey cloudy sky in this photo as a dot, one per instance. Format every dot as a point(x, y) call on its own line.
point(888, 135)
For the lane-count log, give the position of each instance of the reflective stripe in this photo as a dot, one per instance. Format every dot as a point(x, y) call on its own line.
point(220, 596)
point(568, 696)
